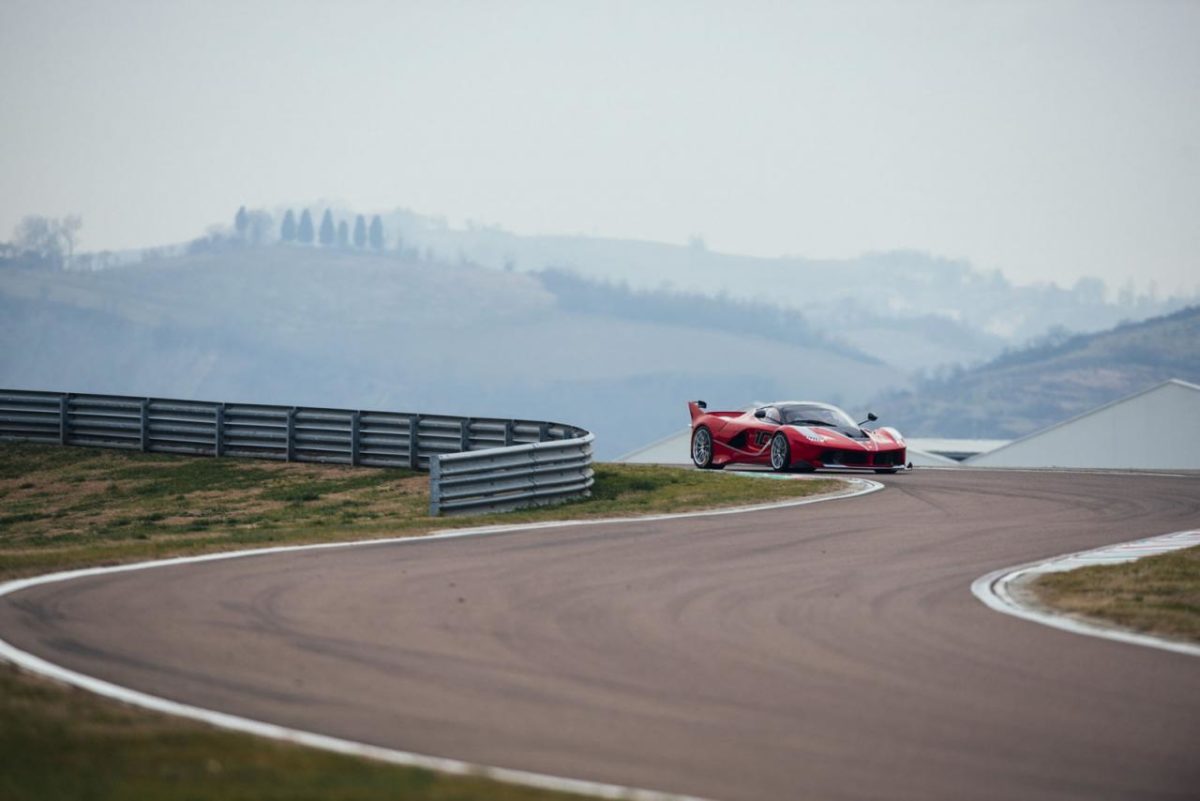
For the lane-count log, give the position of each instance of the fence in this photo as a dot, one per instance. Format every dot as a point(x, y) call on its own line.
point(497, 463)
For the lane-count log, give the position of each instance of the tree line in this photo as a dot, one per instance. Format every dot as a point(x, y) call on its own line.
point(328, 234)
point(691, 310)
point(255, 227)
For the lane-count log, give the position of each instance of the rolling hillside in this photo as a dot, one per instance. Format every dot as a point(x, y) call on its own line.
point(343, 328)
point(1024, 390)
point(913, 310)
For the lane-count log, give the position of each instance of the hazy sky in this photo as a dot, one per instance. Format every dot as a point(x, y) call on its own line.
point(1048, 139)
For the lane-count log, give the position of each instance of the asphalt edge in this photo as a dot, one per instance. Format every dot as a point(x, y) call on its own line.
point(995, 589)
point(37, 665)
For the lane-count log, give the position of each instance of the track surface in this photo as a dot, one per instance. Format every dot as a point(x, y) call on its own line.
point(829, 651)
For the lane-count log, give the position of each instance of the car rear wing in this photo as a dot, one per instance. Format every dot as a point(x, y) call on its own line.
point(699, 409)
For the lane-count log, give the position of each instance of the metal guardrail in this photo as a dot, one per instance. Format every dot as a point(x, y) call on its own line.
point(511, 478)
point(496, 463)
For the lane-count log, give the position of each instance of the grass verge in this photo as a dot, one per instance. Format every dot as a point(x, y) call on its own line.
point(63, 508)
point(1155, 595)
point(64, 743)
point(72, 507)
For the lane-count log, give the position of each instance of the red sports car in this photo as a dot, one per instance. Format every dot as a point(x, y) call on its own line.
point(793, 435)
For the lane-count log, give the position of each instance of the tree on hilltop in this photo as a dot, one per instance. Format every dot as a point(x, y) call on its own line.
point(68, 234)
point(305, 233)
point(240, 222)
point(47, 241)
point(327, 232)
point(360, 232)
point(259, 225)
point(288, 232)
point(376, 233)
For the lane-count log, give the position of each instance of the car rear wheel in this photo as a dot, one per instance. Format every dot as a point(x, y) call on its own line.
point(888, 470)
point(702, 450)
point(781, 453)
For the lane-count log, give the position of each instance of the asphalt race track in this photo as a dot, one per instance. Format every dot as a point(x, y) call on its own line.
point(828, 651)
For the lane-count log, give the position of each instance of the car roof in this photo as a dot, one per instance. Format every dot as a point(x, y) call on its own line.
point(800, 403)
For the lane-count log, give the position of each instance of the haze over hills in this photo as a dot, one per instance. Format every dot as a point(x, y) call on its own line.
point(913, 310)
point(1027, 389)
point(324, 326)
point(608, 334)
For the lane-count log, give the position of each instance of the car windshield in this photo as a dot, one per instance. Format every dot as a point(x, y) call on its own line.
point(810, 414)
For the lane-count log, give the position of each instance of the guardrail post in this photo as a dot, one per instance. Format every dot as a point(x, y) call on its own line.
point(464, 434)
point(64, 422)
point(355, 435)
point(219, 430)
point(144, 429)
point(414, 441)
point(435, 485)
point(543, 432)
point(509, 425)
point(291, 434)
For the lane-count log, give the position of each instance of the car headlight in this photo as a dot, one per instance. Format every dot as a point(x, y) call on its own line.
point(812, 436)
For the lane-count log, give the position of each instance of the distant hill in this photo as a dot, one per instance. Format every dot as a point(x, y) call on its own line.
point(912, 310)
point(1025, 390)
point(319, 326)
point(693, 310)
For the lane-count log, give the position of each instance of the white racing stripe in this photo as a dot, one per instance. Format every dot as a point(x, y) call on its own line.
point(50, 670)
point(996, 588)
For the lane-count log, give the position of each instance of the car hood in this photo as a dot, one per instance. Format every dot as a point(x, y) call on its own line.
point(850, 438)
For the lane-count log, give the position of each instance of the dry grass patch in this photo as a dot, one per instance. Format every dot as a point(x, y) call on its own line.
point(1156, 595)
point(71, 507)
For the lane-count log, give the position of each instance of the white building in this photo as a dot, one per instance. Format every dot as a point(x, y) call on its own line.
point(674, 450)
point(1156, 429)
point(957, 449)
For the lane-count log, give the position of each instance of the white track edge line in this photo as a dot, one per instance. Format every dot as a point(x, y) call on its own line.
point(445, 534)
point(993, 589)
point(36, 664)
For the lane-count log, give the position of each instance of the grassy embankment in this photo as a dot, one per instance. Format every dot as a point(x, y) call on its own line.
point(71, 507)
point(1155, 595)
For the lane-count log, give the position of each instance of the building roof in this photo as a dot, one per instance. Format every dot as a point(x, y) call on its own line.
point(673, 449)
point(1131, 432)
point(953, 448)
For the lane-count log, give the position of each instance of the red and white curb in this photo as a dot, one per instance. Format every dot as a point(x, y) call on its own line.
point(35, 664)
point(996, 589)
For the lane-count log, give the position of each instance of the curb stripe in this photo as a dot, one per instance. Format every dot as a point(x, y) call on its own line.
point(995, 588)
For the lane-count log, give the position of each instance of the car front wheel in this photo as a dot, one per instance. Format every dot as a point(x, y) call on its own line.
point(781, 453)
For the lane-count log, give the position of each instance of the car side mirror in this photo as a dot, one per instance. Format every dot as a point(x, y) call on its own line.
point(760, 413)
point(872, 417)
